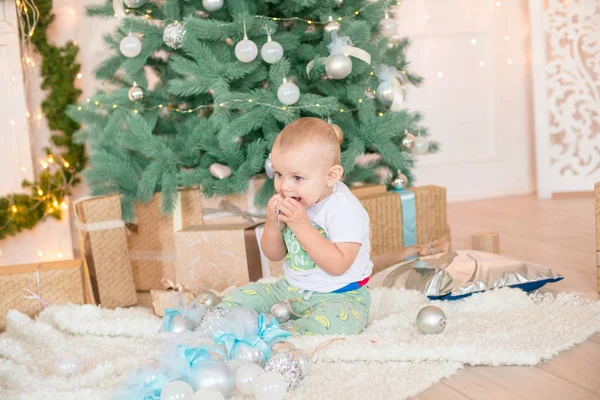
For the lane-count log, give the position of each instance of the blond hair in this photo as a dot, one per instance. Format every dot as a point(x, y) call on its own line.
point(310, 130)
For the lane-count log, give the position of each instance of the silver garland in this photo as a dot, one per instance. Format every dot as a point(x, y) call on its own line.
point(287, 366)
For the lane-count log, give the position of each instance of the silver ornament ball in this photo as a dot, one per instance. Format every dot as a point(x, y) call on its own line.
point(304, 359)
point(387, 27)
point(208, 298)
point(246, 50)
point(332, 26)
point(385, 93)
point(282, 347)
point(214, 375)
point(247, 353)
point(338, 66)
point(282, 311)
point(288, 93)
point(173, 35)
point(271, 52)
point(134, 3)
point(130, 46)
point(287, 366)
point(212, 5)
point(182, 324)
point(408, 141)
point(431, 320)
point(401, 182)
point(135, 93)
point(68, 364)
point(212, 320)
point(338, 3)
point(421, 145)
point(269, 168)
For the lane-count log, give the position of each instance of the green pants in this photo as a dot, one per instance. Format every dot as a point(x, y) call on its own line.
point(313, 313)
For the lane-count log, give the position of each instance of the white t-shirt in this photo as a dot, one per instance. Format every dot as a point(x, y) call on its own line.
point(340, 218)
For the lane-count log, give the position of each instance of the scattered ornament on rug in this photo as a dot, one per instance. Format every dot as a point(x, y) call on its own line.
point(246, 49)
point(338, 66)
point(269, 168)
point(270, 386)
point(208, 394)
point(288, 93)
point(68, 364)
point(332, 25)
point(304, 359)
point(408, 140)
point(248, 353)
point(282, 311)
point(234, 364)
point(130, 46)
point(212, 320)
point(220, 171)
point(421, 145)
point(401, 182)
point(182, 324)
point(208, 298)
point(214, 375)
point(135, 93)
point(271, 51)
point(245, 318)
point(212, 5)
point(287, 366)
point(176, 390)
point(387, 26)
point(173, 35)
point(245, 377)
point(134, 3)
point(431, 320)
point(282, 347)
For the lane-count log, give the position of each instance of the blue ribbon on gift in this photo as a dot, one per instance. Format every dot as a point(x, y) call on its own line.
point(409, 218)
point(271, 332)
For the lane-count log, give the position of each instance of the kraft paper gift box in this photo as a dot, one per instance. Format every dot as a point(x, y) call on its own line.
point(30, 287)
point(103, 242)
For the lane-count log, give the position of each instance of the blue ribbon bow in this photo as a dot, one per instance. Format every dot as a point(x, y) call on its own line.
point(409, 218)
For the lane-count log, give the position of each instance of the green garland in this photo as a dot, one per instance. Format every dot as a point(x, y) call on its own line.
point(48, 191)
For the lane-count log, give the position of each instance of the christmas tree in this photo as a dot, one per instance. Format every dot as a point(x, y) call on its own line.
point(202, 88)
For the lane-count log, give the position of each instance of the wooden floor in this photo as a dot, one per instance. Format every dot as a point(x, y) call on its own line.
point(559, 233)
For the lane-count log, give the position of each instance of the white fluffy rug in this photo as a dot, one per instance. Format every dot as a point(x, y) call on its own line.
point(391, 359)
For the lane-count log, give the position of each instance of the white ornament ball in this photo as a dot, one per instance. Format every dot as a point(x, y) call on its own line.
point(214, 375)
point(332, 26)
point(173, 35)
point(304, 359)
point(409, 140)
point(338, 66)
point(269, 168)
point(235, 364)
point(431, 320)
point(386, 92)
point(135, 93)
point(130, 46)
point(245, 318)
point(220, 171)
point(271, 52)
point(212, 5)
point(182, 324)
point(288, 93)
point(177, 390)
point(246, 50)
point(68, 364)
point(208, 298)
point(208, 394)
point(134, 3)
point(388, 27)
point(421, 145)
point(270, 386)
point(245, 377)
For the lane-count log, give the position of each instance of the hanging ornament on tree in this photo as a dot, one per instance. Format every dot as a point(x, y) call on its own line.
point(431, 320)
point(401, 182)
point(338, 64)
point(390, 91)
point(220, 171)
point(130, 46)
point(135, 93)
point(421, 145)
point(269, 168)
point(134, 3)
point(387, 26)
point(288, 93)
point(332, 25)
point(212, 5)
point(246, 49)
point(408, 140)
point(271, 51)
point(338, 3)
point(173, 35)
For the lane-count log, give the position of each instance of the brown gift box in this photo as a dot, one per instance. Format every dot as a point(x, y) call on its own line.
point(385, 213)
point(60, 282)
point(103, 242)
point(215, 257)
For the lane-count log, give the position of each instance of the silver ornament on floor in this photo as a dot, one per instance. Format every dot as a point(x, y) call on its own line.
point(246, 50)
point(68, 364)
point(408, 140)
point(282, 347)
point(287, 366)
point(212, 320)
point(271, 52)
point(269, 168)
point(248, 353)
point(282, 311)
point(134, 3)
point(181, 324)
point(135, 93)
point(421, 145)
point(173, 35)
point(431, 320)
point(338, 66)
point(304, 359)
point(130, 46)
point(214, 375)
point(288, 93)
point(208, 298)
point(212, 5)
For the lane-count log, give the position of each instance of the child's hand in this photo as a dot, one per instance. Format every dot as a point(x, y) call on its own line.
point(272, 207)
point(292, 213)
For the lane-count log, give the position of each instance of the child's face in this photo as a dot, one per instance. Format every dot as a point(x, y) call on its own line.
point(302, 174)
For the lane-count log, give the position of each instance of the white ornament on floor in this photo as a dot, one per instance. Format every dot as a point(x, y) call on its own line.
point(234, 365)
point(208, 394)
point(269, 386)
point(244, 317)
point(68, 364)
point(303, 359)
point(177, 390)
point(245, 377)
point(182, 324)
point(282, 347)
point(431, 320)
point(208, 298)
point(214, 375)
